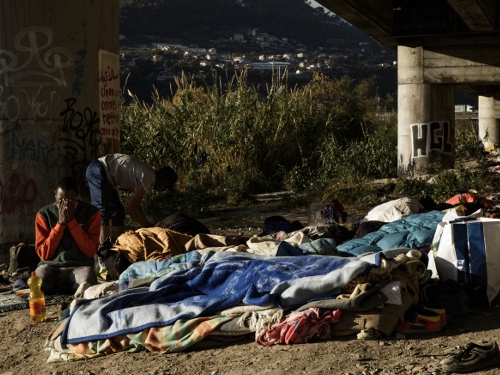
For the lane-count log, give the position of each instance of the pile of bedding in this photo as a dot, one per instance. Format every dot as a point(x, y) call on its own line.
point(278, 289)
point(182, 307)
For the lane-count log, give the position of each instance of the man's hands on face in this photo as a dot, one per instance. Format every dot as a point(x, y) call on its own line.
point(67, 208)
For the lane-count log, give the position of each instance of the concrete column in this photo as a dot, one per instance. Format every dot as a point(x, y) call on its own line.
point(426, 117)
point(442, 126)
point(58, 58)
point(489, 126)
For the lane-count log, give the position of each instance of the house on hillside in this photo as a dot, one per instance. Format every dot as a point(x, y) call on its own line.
point(301, 48)
point(238, 59)
point(195, 49)
point(171, 47)
point(221, 41)
point(238, 37)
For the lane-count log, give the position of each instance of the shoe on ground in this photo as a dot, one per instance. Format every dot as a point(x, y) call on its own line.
point(422, 315)
point(441, 312)
point(367, 334)
point(473, 358)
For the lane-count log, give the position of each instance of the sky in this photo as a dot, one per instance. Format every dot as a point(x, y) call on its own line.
point(314, 4)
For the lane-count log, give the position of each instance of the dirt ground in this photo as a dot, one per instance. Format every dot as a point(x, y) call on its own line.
point(22, 342)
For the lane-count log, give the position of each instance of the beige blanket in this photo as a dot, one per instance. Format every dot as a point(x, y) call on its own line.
point(151, 244)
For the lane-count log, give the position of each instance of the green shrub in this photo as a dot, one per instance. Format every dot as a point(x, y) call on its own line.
point(468, 144)
point(416, 187)
point(372, 157)
point(355, 191)
point(461, 180)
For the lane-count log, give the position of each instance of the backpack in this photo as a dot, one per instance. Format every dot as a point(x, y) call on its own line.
point(447, 294)
point(24, 257)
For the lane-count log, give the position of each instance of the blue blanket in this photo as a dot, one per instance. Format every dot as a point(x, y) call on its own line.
point(157, 268)
point(225, 280)
point(414, 232)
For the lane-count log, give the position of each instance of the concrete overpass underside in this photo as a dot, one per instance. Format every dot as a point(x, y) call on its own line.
point(441, 45)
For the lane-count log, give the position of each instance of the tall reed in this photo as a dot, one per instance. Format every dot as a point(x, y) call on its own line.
point(226, 140)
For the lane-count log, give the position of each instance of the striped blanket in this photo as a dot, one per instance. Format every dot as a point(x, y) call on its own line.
point(224, 281)
point(173, 338)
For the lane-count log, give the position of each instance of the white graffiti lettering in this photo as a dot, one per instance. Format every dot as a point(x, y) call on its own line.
point(30, 67)
point(432, 136)
point(53, 61)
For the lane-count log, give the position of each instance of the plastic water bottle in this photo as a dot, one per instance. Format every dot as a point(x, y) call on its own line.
point(38, 311)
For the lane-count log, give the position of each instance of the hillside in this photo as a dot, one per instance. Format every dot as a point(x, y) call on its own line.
point(200, 21)
point(253, 29)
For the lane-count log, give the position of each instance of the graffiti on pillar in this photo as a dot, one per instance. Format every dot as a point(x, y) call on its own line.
point(79, 142)
point(39, 151)
point(428, 137)
point(32, 69)
point(81, 136)
point(17, 195)
point(80, 127)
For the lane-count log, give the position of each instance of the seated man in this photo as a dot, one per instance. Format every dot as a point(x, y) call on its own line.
point(67, 238)
point(118, 171)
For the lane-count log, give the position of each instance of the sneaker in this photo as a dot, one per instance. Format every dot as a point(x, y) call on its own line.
point(422, 315)
point(474, 357)
point(441, 312)
point(367, 334)
point(412, 328)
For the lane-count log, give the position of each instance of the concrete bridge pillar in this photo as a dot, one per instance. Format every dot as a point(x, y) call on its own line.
point(59, 101)
point(426, 117)
point(489, 125)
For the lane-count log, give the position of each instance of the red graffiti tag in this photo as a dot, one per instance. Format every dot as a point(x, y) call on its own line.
point(15, 195)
